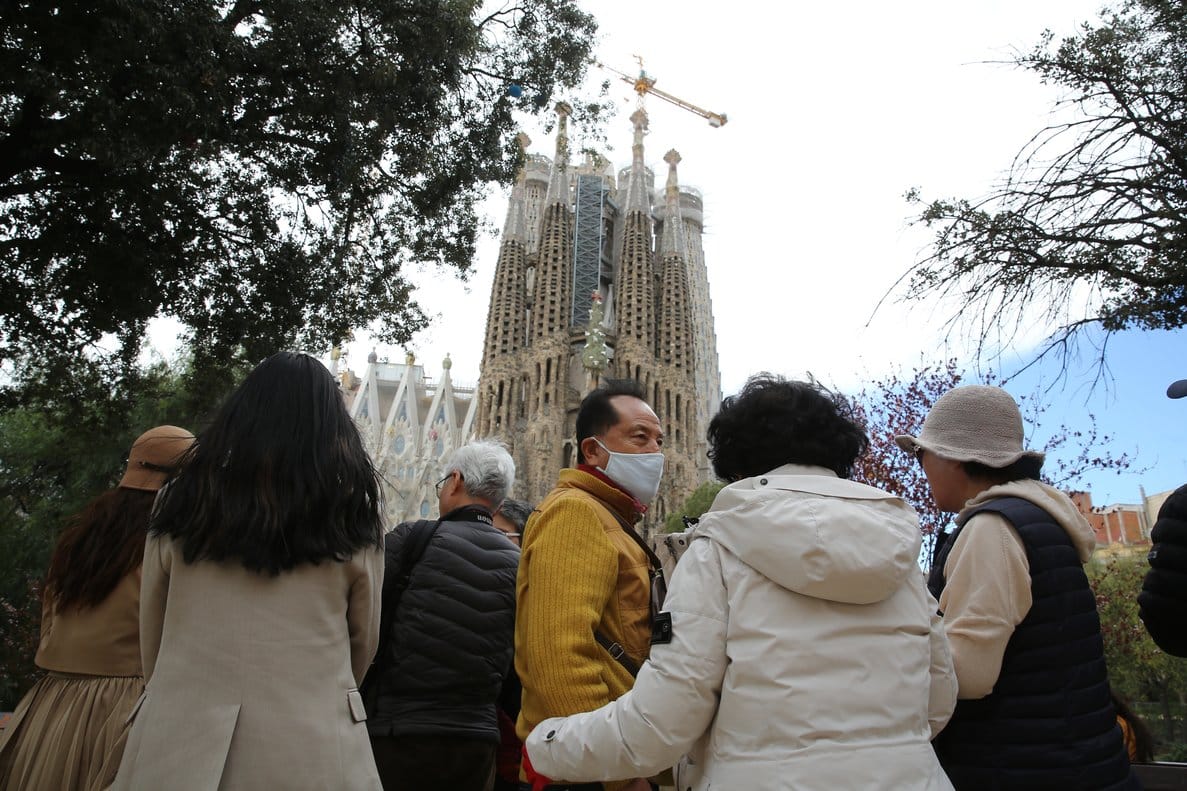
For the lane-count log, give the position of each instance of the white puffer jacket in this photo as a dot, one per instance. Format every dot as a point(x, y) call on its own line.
point(806, 653)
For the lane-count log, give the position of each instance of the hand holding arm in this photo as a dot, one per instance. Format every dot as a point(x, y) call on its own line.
point(674, 699)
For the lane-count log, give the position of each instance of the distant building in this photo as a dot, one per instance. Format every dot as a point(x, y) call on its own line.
point(409, 424)
point(1119, 524)
point(599, 276)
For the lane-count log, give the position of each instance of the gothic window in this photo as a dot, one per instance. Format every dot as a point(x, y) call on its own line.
point(424, 508)
point(398, 444)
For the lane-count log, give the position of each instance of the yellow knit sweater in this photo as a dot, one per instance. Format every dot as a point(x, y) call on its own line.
point(578, 571)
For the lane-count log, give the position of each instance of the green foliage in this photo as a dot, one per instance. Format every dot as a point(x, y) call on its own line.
point(697, 503)
point(265, 172)
point(1096, 200)
point(1138, 669)
point(53, 459)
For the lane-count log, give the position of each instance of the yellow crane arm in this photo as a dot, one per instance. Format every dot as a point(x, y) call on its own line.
point(715, 119)
point(644, 84)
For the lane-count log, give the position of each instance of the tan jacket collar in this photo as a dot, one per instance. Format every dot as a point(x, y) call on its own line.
point(614, 498)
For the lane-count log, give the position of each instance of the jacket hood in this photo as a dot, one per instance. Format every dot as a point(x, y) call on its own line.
point(816, 534)
point(1054, 502)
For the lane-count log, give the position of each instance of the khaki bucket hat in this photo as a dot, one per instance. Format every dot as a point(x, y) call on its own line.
point(154, 456)
point(976, 423)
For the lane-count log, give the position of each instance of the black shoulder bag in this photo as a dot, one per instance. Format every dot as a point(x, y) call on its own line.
point(411, 552)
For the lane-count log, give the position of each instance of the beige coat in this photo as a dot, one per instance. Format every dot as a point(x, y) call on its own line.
point(251, 679)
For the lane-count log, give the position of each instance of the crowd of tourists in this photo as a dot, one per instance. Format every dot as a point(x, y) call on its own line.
point(236, 615)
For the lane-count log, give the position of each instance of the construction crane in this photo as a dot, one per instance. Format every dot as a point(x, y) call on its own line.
point(645, 84)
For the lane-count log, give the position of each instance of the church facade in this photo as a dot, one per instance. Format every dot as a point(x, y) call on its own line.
point(409, 422)
point(598, 275)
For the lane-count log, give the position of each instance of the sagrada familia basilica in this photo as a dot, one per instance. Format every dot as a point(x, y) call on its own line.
point(599, 275)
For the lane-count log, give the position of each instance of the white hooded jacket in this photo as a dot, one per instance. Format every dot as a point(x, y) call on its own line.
point(806, 653)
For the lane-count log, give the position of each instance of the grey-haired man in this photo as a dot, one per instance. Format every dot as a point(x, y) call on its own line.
point(447, 643)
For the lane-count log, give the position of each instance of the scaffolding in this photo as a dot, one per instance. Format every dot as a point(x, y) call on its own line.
point(587, 246)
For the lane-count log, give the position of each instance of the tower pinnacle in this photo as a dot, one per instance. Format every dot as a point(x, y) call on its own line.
point(672, 238)
point(558, 186)
point(515, 227)
point(637, 198)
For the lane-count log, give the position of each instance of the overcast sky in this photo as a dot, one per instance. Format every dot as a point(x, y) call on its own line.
point(835, 111)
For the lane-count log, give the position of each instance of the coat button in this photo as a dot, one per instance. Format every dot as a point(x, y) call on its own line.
point(548, 736)
point(762, 481)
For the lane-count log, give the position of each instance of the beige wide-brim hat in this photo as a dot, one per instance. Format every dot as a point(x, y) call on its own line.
point(973, 423)
point(154, 456)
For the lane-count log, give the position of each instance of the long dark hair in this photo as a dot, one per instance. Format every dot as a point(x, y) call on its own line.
point(100, 545)
point(279, 479)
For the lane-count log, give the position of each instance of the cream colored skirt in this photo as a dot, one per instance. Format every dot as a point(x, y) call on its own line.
point(67, 733)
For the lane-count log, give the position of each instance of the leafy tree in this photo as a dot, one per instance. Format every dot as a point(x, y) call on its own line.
point(1138, 669)
point(697, 503)
point(899, 404)
point(1097, 200)
point(50, 467)
point(264, 171)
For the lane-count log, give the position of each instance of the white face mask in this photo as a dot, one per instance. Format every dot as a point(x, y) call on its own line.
point(638, 473)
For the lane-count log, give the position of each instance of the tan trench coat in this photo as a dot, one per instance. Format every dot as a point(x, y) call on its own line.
point(251, 679)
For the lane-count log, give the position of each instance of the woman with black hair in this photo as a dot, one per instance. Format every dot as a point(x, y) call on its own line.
point(67, 732)
point(260, 602)
point(805, 650)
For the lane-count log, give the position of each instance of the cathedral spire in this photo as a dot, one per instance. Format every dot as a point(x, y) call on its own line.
point(674, 329)
point(505, 331)
point(558, 185)
point(635, 299)
point(637, 197)
point(554, 268)
point(515, 228)
point(672, 238)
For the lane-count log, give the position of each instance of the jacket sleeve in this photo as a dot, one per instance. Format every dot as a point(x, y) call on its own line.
point(362, 610)
point(986, 595)
point(154, 593)
point(1162, 604)
point(674, 699)
point(941, 698)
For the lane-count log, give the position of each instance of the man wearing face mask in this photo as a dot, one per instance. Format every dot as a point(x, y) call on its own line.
point(583, 622)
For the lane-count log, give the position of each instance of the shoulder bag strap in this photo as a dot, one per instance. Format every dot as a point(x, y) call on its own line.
point(415, 544)
point(658, 592)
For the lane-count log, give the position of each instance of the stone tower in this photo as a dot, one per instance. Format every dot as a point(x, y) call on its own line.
point(598, 277)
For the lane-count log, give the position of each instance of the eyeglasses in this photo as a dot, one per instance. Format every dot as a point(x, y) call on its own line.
point(437, 486)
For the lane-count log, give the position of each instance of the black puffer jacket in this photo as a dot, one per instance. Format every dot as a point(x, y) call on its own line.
point(453, 636)
point(1163, 600)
